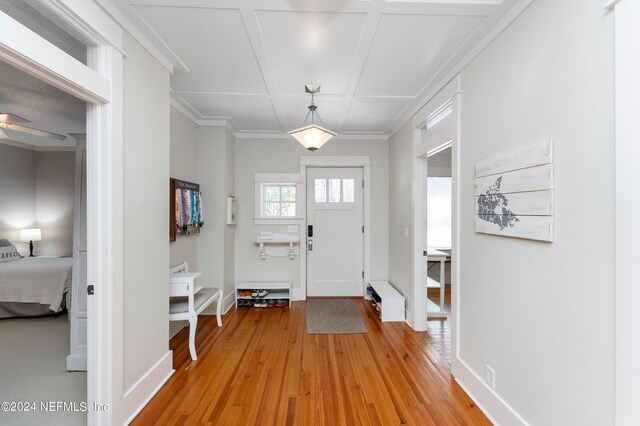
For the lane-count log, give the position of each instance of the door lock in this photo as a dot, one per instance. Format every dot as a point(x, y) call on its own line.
point(309, 244)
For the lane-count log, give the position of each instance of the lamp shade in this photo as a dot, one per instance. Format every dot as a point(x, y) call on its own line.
point(30, 234)
point(313, 136)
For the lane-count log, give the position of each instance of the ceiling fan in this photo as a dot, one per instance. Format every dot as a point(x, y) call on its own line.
point(10, 122)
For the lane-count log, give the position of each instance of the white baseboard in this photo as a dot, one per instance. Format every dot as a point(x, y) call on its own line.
point(141, 393)
point(228, 302)
point(494, 407)
point(298, 294)
point(175, 327)
point(76, 362)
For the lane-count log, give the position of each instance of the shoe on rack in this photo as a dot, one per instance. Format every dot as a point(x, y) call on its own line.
point(271, 303)
point(262, 293)
point(281, 302)
point(254, 293)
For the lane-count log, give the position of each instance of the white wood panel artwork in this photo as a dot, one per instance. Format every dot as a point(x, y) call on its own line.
point(514, 193)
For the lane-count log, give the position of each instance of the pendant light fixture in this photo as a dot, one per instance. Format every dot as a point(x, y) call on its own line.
point(312, 136)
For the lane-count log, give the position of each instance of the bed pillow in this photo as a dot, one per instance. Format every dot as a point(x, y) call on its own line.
point(9, 254)
point(5, 243)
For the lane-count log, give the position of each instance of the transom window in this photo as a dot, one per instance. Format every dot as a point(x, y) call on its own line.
point(278, 200)
point(334, 190)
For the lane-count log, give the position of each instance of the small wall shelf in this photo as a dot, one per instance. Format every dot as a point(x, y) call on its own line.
point(277, 239)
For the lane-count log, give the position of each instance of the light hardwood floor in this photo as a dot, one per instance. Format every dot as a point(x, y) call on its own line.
point(262, 368)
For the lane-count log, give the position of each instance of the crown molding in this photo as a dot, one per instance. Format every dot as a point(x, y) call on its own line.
point(497, 29)
point(610, 5)
point(128, 26)
point(227, 122)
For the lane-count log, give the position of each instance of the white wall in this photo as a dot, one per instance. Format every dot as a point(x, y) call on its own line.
point(146, 213)
point(18, 193)
point(215, 153)
point(400, 212)
point(184, 166)
point(283, 156)
point(36, 189)
point(229, 231)
point(540, 314)
point(55, 182)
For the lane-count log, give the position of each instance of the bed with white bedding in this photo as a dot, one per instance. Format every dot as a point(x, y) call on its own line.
point(34, 286)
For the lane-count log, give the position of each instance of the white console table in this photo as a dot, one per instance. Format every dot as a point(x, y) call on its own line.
point(433, 310)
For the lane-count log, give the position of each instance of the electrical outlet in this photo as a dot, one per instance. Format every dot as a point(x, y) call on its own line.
point(490, 376)
point(292, 228)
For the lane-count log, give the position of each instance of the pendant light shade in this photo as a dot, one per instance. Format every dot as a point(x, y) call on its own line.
point(312, 136)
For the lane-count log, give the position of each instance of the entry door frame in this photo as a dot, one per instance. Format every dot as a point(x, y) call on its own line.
point(363, 161)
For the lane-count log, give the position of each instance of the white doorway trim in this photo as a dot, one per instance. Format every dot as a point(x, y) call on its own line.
point(627, 195)
point(363, 161)
point(448, 96)
point(99, 84)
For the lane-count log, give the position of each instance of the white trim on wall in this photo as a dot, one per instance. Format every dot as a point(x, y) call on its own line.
point(26, 50)
point(448, 96)
point(363, 161)
point(147, 386)
point(627, 195)
point(97, 83)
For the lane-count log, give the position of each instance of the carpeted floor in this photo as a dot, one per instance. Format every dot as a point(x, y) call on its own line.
point(33, 353)
point(333, 316)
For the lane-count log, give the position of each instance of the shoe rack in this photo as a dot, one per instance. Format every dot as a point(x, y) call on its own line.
point(276, 291)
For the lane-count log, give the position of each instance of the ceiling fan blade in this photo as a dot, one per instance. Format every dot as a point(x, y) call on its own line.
point(79, 136)
point(35, 132)
point(9, 118)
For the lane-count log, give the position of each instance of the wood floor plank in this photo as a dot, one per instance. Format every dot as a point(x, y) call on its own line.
point(261, 368)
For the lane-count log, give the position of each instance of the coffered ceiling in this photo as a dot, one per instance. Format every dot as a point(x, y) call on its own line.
point(247, 61)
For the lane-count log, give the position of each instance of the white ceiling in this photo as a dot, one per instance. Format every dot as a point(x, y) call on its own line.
point(247, 61)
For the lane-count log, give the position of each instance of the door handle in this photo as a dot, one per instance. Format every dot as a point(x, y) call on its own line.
point(309, 244)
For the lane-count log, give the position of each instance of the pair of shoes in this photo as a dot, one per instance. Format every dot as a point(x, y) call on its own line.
point(259, 293)
point(281, 302)
point(245, 293)
point(260, 304)
point(245, 303)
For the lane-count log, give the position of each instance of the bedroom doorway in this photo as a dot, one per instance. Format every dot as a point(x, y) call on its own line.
point(42, 310)
point(98, 82)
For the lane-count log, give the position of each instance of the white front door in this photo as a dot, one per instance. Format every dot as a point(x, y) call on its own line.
point(334, 232)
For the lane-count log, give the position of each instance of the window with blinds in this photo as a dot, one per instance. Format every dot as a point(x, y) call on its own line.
point(439, 212)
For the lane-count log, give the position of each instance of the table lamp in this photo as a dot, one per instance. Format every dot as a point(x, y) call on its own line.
point(30, 235)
